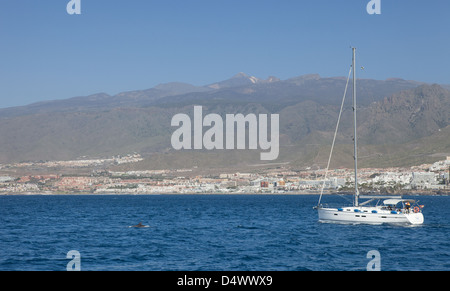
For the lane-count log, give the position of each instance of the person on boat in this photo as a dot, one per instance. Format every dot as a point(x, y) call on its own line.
point(407, 206)
point(139, 225)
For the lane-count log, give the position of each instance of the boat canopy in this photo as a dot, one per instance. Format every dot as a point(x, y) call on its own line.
point(395, 201)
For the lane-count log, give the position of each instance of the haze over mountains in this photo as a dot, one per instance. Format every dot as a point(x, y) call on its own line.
point(400, 122)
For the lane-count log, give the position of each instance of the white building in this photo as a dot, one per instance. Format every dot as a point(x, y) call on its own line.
point(423, 180)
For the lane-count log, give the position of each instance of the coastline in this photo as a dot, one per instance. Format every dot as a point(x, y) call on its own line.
point(311, 192)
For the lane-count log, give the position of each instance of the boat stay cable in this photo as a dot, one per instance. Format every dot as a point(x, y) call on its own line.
point(334, 138)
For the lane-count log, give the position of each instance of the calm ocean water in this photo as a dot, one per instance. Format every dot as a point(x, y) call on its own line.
point(210, 232)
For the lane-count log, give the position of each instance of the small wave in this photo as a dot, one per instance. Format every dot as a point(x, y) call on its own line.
point(247, 227)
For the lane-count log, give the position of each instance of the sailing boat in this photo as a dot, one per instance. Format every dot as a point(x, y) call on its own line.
point(393, 210)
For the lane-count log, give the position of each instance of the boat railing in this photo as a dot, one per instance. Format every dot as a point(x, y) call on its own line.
point(335, 205)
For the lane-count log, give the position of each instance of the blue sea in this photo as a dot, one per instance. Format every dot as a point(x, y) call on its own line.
point(210, 233)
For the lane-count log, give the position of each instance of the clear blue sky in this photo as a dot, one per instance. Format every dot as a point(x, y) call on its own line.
point(122, 45)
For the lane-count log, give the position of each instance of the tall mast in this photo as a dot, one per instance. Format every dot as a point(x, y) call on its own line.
point(354, 126)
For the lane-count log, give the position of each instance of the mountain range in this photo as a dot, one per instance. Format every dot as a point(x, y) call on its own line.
point(400, 123)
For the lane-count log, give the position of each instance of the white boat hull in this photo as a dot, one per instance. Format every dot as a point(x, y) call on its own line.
point(368, 215)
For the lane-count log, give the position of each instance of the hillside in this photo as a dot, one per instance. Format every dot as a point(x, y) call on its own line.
point(398, 120)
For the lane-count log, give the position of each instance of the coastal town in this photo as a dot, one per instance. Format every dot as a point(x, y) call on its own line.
point(426, 178)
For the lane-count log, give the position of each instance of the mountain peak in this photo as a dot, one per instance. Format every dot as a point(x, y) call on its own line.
point(246, 78)
point(242, 79)
point(240, 75)
point(272, 79)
